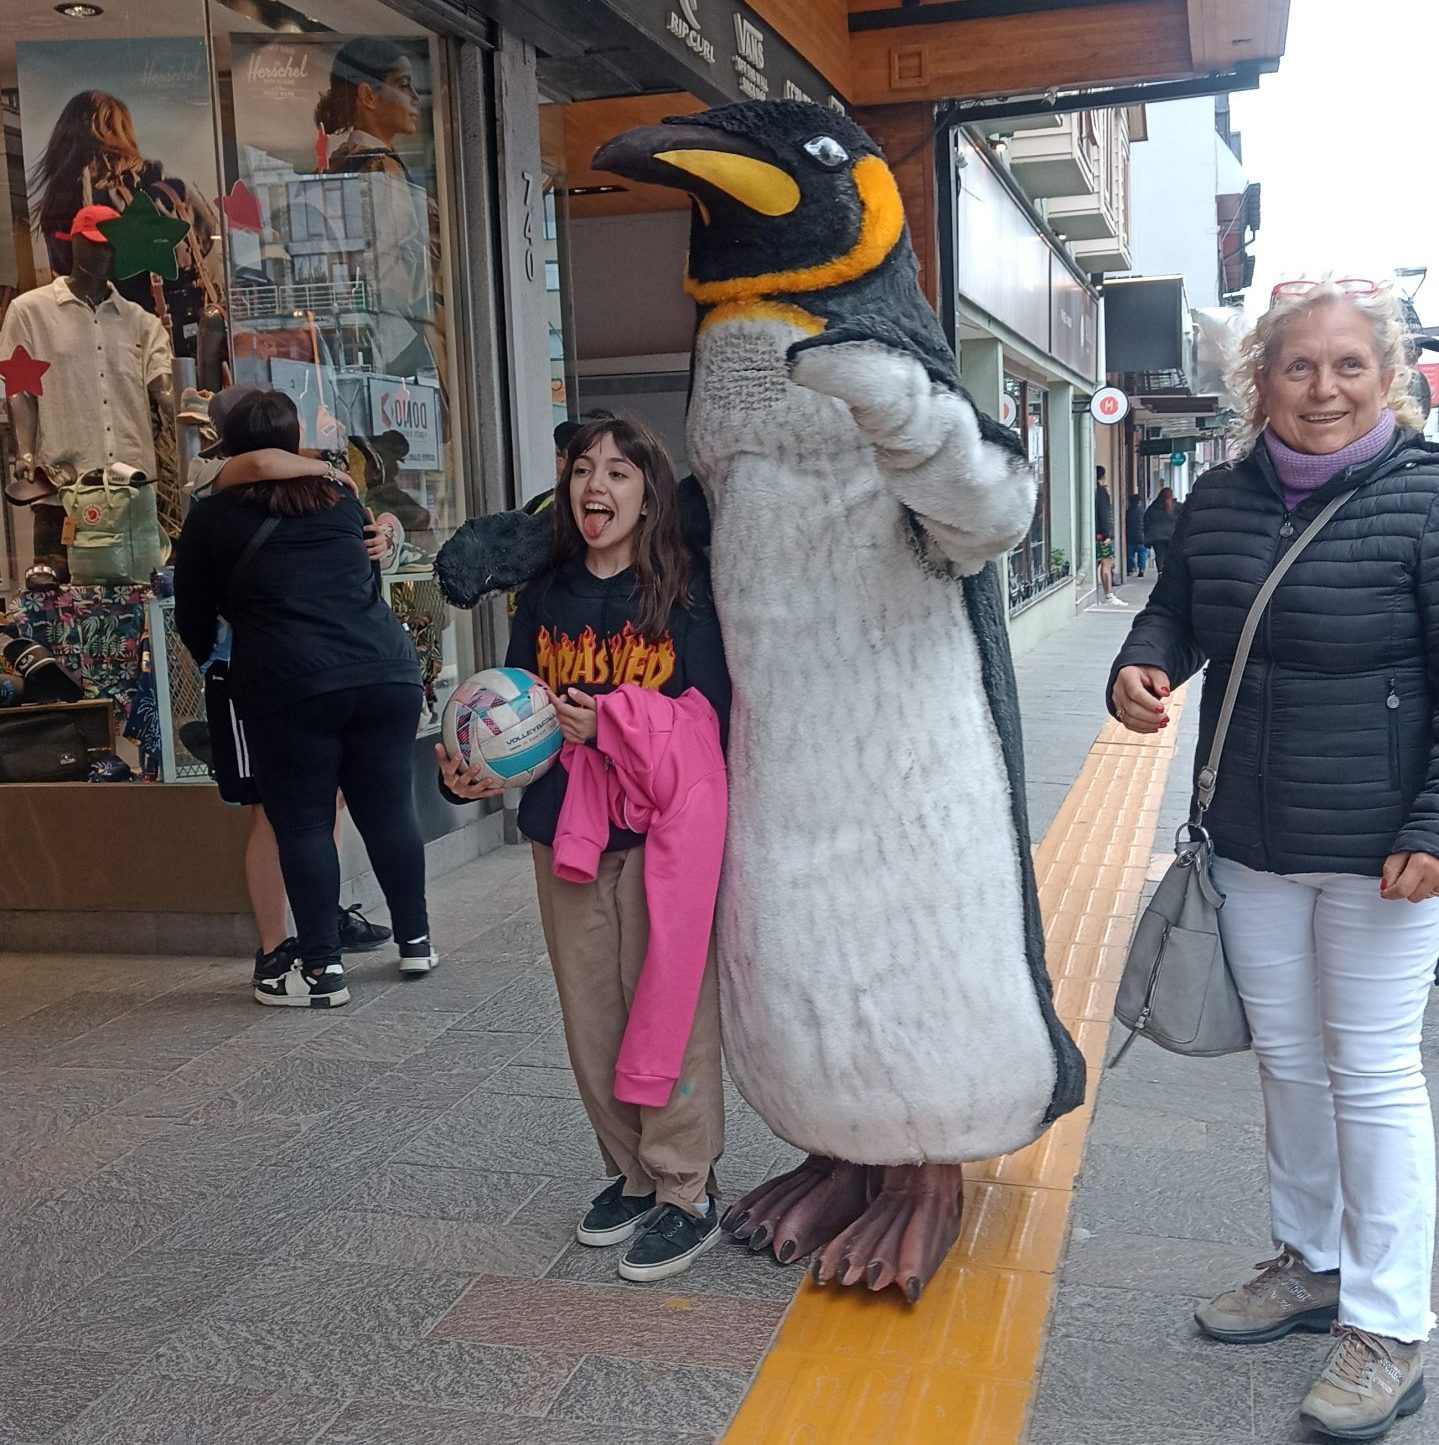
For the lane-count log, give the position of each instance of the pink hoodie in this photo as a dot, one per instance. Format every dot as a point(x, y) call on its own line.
point(656, 768)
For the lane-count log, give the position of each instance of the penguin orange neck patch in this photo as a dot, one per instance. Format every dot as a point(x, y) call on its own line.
point(881, 225)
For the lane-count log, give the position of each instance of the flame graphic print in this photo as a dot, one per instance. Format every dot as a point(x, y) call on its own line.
point(623, 657)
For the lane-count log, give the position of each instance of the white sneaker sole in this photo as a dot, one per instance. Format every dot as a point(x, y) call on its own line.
point(618, 1234)
point(643, 1273)
point(303, 1000)
point(417, 966)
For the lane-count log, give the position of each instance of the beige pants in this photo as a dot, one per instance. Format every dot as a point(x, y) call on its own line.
point(596, 934)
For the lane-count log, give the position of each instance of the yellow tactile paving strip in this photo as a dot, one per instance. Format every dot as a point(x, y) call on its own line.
point(852, 1368)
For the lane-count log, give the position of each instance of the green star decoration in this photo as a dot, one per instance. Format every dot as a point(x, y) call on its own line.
point(144, 240)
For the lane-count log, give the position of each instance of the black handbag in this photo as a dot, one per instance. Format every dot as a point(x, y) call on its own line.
point(42, 747)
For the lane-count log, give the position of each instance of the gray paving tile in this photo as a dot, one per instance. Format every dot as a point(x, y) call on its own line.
point(516, 1078)
point(166, 1031)
point(289, 1088)
point(184, 1165)
point(325, 1294)
point(43, 1389)
point(670, 1325)
point(68, 1161)
point(641, 1392)
point(67, 1018)
point(44, 1104)
point(514, 937)
point(376, 1424)
point(477, 1195)
point(474, 1054)
point(1145, 1388)
point(147, 1410)
point(434, 1244)
point(461, 982)
point(1125, 1124)
point(526, 1134)
point(548, 1051)
point(266, 1204)
point(358, 1133)
point(183, 1092)
point(728, 1269)
point(1158, 1264)
point(1129, 1316)
point(140, 1303)
point(383, 1040)
point(270, 1356)
point(529, 1005)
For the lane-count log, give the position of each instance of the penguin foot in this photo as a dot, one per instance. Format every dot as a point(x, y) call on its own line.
point(799, 1211)
point(901, 1239)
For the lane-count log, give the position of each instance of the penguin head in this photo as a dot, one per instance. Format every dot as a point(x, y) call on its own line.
point(789, 197)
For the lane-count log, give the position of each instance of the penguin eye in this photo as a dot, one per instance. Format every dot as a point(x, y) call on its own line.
point(827, 151)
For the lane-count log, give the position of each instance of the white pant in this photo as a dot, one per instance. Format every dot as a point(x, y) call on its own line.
point(1334, 980)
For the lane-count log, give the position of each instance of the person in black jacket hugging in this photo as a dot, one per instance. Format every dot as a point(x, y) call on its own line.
point(328, 684)
point(1325, 823)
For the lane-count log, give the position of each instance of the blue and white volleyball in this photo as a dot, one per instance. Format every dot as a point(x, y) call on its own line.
point(502, 719)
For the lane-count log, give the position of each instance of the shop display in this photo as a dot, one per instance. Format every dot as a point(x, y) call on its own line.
point(53, 743)
point(113, 533)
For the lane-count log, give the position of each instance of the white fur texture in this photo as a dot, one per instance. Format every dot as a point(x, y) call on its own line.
point(877, 1002)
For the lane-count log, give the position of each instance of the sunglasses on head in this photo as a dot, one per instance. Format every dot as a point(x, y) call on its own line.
point(1349, 285)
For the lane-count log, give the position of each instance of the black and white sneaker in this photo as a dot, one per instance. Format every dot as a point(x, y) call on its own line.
point(357, 933)
point(283, 981)
point(417, 956)
point(671, 1242)
point(614, 1217)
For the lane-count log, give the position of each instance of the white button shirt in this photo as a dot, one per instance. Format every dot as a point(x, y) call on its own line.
point(95, 409)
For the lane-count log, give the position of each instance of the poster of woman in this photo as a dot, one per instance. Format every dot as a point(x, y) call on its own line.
point(102, 120)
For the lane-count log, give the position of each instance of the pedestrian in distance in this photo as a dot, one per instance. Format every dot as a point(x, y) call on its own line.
point(1136, 553)
point(327, 681)
point(1104, 540)
point(1325, 824)
point(1159, 519)
point(622, 599)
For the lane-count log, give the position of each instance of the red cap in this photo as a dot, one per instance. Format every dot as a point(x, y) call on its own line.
point(87, 223)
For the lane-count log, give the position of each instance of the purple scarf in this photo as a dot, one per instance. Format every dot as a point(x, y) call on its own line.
point(1300, 474)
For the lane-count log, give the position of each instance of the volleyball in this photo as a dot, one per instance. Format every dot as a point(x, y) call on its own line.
point(502, 719)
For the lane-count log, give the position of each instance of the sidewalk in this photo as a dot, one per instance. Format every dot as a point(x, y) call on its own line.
point(223, 1225)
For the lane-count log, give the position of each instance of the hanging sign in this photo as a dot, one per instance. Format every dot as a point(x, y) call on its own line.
point(1008, 410)
point(1177, 459)
point(1109, 405)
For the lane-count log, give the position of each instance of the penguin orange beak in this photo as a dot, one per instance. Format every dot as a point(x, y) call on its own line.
point(705, 162)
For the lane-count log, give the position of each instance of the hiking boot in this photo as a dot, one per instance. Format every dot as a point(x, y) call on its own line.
point(283, 981)
point(1367, 1383)
point(357, 933)
point(1285, 1296)
point(671, 1242)
point(614, 1217)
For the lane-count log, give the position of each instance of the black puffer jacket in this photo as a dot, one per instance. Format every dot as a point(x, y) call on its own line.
point(1331, 761)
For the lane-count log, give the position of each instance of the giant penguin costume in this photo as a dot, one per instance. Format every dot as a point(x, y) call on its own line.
point(884, 995)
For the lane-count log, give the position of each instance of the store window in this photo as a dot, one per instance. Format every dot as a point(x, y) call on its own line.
point(203, 192)
point(1034, 565)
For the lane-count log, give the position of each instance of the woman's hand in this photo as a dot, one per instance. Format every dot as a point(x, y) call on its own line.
point(579, 718)
point(463, 782)
point(1139, 698)
point(1410, 877)
point(376, 544)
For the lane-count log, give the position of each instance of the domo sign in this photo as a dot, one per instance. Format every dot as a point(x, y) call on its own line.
point(411, 408)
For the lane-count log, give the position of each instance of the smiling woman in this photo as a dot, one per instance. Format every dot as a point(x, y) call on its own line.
point(1327, 789)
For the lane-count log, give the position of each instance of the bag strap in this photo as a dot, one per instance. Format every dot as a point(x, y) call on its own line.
point(1208, 779)
point(262, 532)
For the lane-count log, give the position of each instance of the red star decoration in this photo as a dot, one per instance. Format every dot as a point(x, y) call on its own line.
point(242, 208)
point(21, 373)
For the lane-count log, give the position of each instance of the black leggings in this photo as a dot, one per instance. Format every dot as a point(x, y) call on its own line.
point(359, 740)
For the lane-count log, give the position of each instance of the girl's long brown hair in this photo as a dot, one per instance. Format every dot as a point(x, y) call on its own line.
point(662, 562)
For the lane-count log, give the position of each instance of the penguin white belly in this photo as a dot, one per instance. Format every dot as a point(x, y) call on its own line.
point(877, 1002)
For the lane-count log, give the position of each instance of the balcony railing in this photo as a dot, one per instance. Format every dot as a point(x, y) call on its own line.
point(250, 303)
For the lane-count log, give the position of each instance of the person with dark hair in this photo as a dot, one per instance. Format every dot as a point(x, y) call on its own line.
point(1104, 540)
point(327, 682)
point(1159, 519)
point(372, 100)
point(622, 600)
point(92, 158)
point(1136, 550)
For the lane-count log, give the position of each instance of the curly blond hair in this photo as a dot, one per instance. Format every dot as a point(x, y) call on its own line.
point(1262, 341)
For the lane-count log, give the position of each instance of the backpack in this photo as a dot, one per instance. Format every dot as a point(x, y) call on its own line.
point(112, 529)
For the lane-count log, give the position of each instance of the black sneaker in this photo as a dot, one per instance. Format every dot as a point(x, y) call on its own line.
point(283, 981)
point(671, 1242)
point(614, 1217)
point(417, 956)
point(357, 933)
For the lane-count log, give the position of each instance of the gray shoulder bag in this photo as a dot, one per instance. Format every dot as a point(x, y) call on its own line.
point(1176, 988)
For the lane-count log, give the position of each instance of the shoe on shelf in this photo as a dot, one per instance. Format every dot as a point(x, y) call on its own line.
point(1286, 1295)
point(195, 406)
point(614, 1217)
point(283, 981)
point(418, 956)
point(1367, 1383)
point(670, 1243)
point(357, 933)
